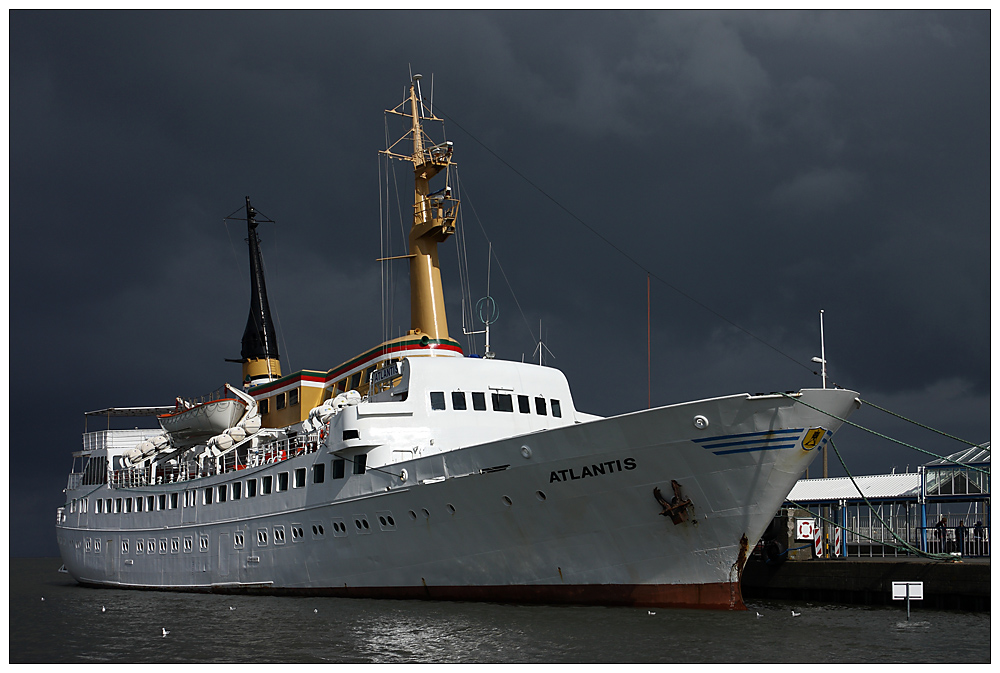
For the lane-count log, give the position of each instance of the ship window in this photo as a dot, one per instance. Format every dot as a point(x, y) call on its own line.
point(208, 496)
point(85, 505)
point(118, 505)
point(540, 406)
point(293, 396)
point(163, 545)
point(351, 434)
point(203, 543)
point(222, 492)
point(138, 504)
point(262, 406)
point(237, 490)
point(188, 543)
point(319, 472)
point(300, 477)
point(72, 506)
point(149, 503)
point(282, 481)
point(355, 380)
point(338, 469)
point(279, 401)
point(523, 405)
point(100, 507)
point(175, 545)
point(124, 546)
point(556, 411)
point(479, 401)
point(238, 540)
point(161, 502)
point(151, 546)
point(265, 485)
point(341, 385)
point(279, 535)
point(128, 505)
point(173, 500)
point(437, 401)
point(262, 537)
point(251, 488)
point(503, 402)
point(458, 401)
point(359, 463)
point(138, 546)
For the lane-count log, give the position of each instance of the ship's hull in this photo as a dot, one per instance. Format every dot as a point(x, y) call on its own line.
point(563, 516)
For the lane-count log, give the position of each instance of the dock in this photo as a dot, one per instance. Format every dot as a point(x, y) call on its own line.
point(963, 585)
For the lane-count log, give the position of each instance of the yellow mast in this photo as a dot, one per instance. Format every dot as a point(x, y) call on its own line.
point(433, 218)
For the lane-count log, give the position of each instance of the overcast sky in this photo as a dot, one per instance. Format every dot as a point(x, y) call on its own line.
point(759, 167)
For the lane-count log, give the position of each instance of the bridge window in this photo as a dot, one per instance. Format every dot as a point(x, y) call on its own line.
point(279, 401)
point(208, 496)
point(173, 500)
point(503, 402)
point(338, 469)
point(523, 405)
point(479, 401)
point(282, 481)
point(251, 488)
point(458, 401)
point(556, 410)
point(237, 490)
point(437, 401)
point(265, 484)
point(293, 397)
point(262, 406)
point(359, 463)
point(319, 470)
point(540, 406)
point(300, 477)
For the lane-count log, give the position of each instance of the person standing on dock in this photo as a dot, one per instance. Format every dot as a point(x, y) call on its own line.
point(942, 531)
point(977, 533)
point(960, 531)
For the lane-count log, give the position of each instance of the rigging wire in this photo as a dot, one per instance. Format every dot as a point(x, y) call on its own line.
point(622, 252)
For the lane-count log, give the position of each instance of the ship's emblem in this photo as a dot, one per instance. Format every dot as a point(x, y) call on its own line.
point(813, 438)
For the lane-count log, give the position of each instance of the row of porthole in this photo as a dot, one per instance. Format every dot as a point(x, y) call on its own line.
point(540, 495)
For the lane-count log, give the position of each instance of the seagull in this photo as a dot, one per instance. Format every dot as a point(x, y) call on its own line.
point(165, 632)
point(795, 614)
point(103, 609)
point(43, 598)
point(651, 612)
point(315, 610)
point(231, 607)
point(759, 615)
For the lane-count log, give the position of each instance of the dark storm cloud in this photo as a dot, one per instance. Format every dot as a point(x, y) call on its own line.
point(766, 164)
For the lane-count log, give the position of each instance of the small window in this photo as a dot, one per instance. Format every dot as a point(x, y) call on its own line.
point(355, 380)
point(163, 545)
point(100, 506)
point(293, 397)
point(262, 537)
point(300, 477)
point(124, 546)
point(161, 501)
point(556, 411)
point(458, 401)
point(173, 500)
point(175, 545)
point(188, 544)
point(203, 543)
point(251, 488)
point(503, 402)
point(282, 481)
point(139, 546)
point(437, 401)
point(279, 534)
point(479, 401)
point(262, 405)
point(279, 401)
point(222, 492)
point(351, 434)
point(338, 469)
point(149, 503)
point(359, 463)
point(540, 406)
point(107, 505)
point(265, 484)
point(238, 540)
point(138, 503)
point(208, 496)
point(118, 505)
point(237, 490)
point(523, 404)
point(319, 472)
point(128, 505)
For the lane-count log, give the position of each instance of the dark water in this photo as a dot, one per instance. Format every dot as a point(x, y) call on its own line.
point(70, 626)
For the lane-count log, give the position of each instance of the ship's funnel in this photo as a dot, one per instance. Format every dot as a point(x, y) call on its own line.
point(260, 344)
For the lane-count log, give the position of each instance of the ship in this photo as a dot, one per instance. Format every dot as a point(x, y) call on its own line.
point(417, 471)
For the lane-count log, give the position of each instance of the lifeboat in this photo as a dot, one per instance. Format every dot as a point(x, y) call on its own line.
point(187, 427)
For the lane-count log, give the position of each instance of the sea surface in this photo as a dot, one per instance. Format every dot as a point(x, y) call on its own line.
point(52, 619)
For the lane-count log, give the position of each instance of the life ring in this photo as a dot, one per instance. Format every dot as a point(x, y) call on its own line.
point(322, 433)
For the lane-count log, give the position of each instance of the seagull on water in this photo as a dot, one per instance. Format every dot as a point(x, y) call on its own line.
point(231, 607)
point(795, 614)
point(103, 609)
point(651, 612)
point(315, 610)
point(165, 632)
point(759, 615)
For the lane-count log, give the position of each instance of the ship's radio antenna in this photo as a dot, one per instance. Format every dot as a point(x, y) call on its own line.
point(541, 345)
point(821, 360)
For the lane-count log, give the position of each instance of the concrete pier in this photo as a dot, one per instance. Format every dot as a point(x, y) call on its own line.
point(963, 585)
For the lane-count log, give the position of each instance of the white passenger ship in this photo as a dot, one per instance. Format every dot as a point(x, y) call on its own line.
point(412, 471)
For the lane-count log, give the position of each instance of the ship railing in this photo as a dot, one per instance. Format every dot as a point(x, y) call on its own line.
point(281, 449)
point(75, 481)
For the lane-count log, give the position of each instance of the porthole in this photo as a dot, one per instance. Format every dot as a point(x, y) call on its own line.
point(526, 451)
point(413, 515)
point(540, 495)
point(427, 514)
point(507, 501)
point(364, 522)
point(451, 508)
point(357, 522)
point(391, 522)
